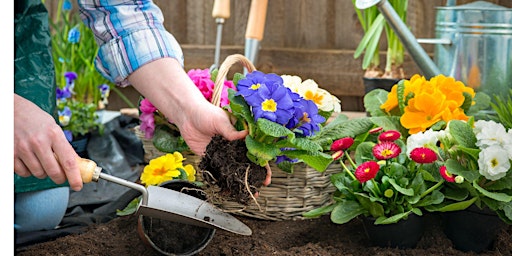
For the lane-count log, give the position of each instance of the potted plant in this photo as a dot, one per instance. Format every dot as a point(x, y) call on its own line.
point(373, 24)
point(409, 178)
point(281, 120)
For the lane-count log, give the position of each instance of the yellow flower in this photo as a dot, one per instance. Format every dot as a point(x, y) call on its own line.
point(429, 101)
point(191, 172)
point(164, 168)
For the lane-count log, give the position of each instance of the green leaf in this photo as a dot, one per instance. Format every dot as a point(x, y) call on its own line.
point(373, 100)
point(316, 160)
point(347, 128)
point(405, 191)
point(167, 141)
point(454, 167)
point(345, 211)
point(319, 211)
point(458, 206)
point(498, 196)
point(261, 151)
point(130, 209)
point(393, 219)
point(273, 129)
point(462, 133)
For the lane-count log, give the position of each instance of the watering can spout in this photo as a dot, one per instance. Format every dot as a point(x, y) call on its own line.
point(420, 57)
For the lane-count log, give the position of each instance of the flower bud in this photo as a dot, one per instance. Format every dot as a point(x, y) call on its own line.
point(459, 179)
point(388, 193)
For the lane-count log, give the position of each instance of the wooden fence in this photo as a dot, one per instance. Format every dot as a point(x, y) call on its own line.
point(314, 39)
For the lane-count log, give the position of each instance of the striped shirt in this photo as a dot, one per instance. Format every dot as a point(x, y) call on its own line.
point(130, 33)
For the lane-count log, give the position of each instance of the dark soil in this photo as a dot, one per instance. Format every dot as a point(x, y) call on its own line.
point(227, 167)
point(291, 237)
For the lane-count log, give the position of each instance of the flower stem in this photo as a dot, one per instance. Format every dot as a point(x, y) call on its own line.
point(347, 170)
point(428, 191)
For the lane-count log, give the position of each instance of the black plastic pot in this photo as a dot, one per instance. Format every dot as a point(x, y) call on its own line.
point(472, 229)
point(406, 233)
point(173, 238)
point(378, 83)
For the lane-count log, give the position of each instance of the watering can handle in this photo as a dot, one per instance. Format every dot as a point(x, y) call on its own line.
point(89, 170)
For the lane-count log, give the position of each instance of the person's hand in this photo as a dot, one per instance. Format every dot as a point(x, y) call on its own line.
point(168, 87)
point(38, 142)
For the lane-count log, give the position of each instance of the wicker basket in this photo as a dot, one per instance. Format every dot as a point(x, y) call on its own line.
point(289, 195)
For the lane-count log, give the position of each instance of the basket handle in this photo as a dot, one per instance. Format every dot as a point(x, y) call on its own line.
point(223, 72)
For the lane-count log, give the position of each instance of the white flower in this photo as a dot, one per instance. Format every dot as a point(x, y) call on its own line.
point(309, 90)
point(489, 133)
point(493, 162)
point(292, 82)
point(428, 139)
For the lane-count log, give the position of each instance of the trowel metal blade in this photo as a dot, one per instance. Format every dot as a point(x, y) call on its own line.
point(171, 205)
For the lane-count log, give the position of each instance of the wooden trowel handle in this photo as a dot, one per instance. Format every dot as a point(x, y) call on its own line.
point(89, 170)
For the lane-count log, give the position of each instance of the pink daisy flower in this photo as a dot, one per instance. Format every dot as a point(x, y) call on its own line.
point(342, 144)
point(389, 135)
point(423, 155)
point(386, 150)
point(367, 171)
point(446, 175)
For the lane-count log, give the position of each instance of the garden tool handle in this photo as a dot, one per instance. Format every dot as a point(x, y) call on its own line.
point(221, 9)
point(89, 170)
point(257, 17)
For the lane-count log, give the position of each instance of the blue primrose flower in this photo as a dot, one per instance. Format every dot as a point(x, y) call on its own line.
point(306, 117)
point(248, 86)
point(272, 102)
point(74, 35)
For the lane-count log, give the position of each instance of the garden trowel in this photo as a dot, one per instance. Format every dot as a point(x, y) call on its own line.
point(168, 204)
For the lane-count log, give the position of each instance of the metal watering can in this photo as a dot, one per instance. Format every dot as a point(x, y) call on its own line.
point(473, 43)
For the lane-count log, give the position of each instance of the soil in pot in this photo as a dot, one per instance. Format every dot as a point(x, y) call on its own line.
point(227, 166)
point(174, 238)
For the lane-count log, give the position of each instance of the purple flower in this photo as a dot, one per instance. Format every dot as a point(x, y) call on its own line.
point(272, 102)
point(63, 94)
point(306, 117)
point(104, 89)
point(69, 135)
point(74, 35)
point(253, 81)
point(70, 77)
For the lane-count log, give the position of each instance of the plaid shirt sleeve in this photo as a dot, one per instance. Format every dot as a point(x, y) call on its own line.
point(129, 34)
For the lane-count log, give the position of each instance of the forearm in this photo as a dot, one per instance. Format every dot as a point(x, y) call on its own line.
point(168, 87)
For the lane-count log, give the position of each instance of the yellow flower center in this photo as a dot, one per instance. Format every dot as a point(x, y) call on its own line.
point(255, 86)
point(386, 152)
point(494, 162)
point(269, 105)
point(315, 97)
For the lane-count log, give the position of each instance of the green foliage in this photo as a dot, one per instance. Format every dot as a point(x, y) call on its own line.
point(84, 118)
point(503, 108)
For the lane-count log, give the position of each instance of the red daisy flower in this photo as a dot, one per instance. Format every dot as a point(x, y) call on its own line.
point(389, 135)
point(342, 144)
point(446, 175)
point(367, 171)
point(423, 155)
point(386, 150)
point(375, 130)
point(337, 155)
